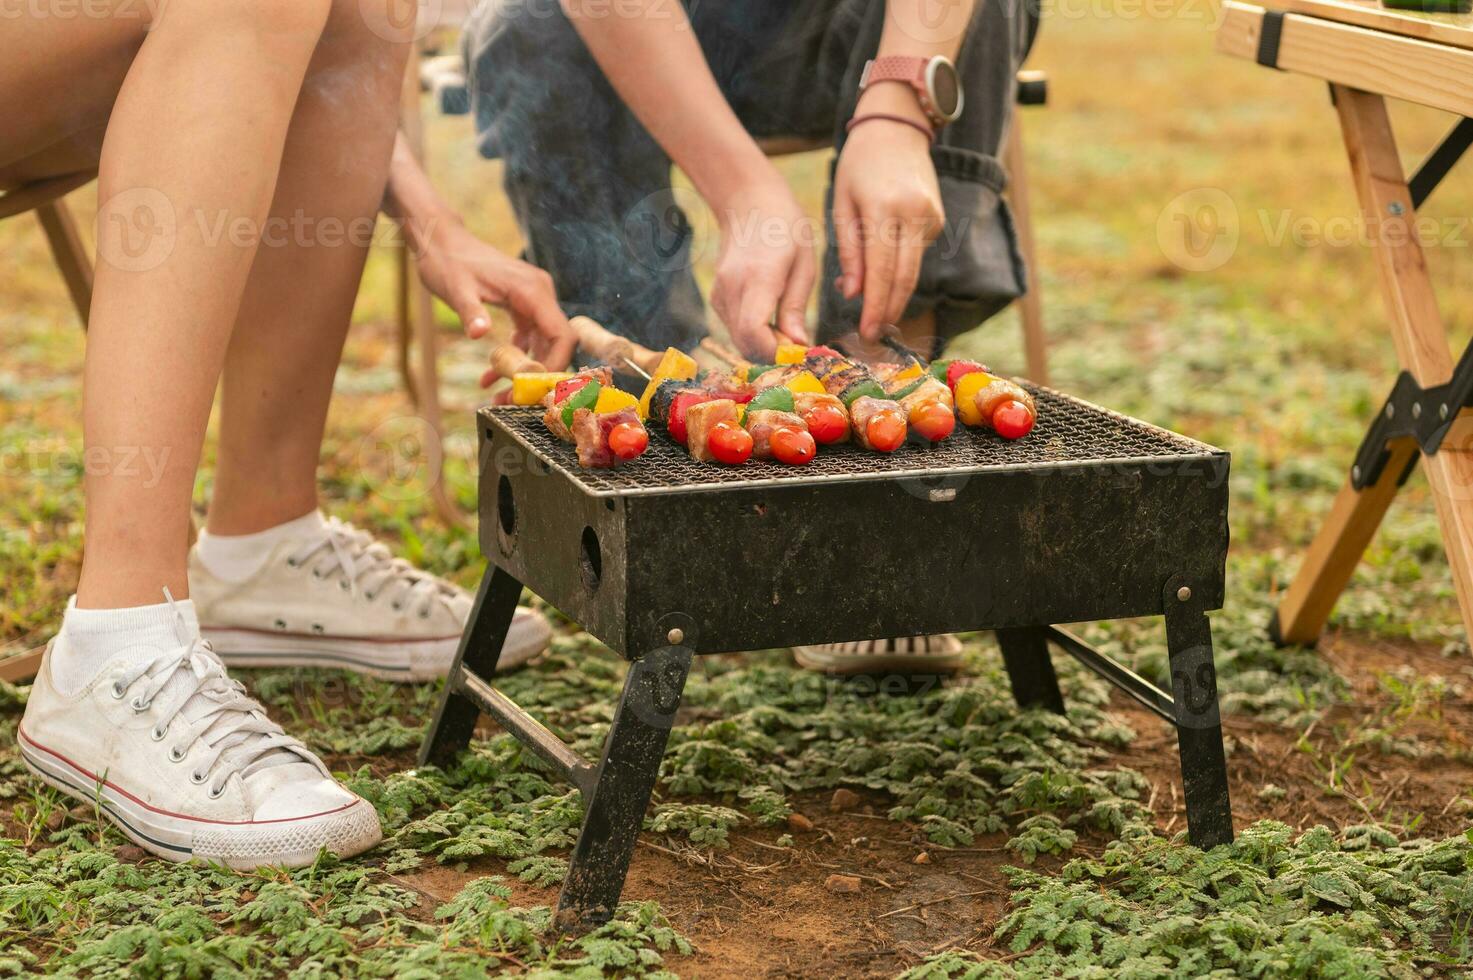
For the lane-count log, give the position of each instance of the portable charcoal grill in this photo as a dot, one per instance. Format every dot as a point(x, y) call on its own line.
point(1092, 516)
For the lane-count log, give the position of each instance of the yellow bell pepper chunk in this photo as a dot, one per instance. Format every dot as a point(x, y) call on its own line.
point(909, 374)
point(531, 388)
point(790, 354)
point(965, 390)
point(805, 381)
point(676, 365)
point(611, 399)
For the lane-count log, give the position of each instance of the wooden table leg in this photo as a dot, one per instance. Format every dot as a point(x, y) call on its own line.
point(1336, 550)
point(417, 322)
point(1422, 347)
point(1030, 304)
point(71, 255)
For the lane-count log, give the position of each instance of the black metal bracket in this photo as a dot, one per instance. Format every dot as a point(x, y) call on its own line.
point(1151, 697)
point(1413, 412)
point(1269, 36)
point(1440, 161)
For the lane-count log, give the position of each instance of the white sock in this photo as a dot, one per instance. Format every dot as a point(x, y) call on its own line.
point(236, 557)
point(89, 638)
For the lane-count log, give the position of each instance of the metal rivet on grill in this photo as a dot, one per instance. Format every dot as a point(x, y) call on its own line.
point(1184, 593)
point(676, 636)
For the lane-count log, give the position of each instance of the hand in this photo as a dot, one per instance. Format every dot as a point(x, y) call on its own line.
point(887, 211)
point(766, 267)
point(467, 274)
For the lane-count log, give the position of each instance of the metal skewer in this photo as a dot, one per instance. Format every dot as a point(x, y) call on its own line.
point(636, 368)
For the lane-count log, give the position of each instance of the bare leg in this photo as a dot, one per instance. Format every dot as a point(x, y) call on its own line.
point(297, 305)
point(194, 134)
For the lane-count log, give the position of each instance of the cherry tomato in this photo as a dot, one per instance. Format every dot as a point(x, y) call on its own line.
point(886, 430)
point(956, 369)
point(628, 439)
point(1012, 420)
point(730, 443)
point(822, 350)
point(933, 420)
point(793, 446)
point(826, 423)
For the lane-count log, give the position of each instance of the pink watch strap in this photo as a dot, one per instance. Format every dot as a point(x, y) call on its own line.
point(896, 68)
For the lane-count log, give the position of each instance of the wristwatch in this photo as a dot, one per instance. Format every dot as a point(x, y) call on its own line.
point(935, 81)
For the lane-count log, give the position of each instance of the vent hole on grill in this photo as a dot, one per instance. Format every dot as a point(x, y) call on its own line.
point(592, 559)
point(506, 508)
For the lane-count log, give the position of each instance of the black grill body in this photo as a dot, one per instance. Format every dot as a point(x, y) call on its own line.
point(1083, 520)
point(1093, 516)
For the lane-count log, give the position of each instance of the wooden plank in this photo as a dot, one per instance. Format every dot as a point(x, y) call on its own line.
point(1030, 305)
point(22, 667)
point(1429, 74)
point(28, 197)
point(1453, 29)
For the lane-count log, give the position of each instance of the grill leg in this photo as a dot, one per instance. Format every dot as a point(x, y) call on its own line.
point(1198, 724)
point(1030, 671)
point(480, 648)
point(626, 778)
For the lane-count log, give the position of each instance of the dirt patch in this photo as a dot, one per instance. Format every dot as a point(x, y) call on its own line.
point(761, 909)
point(1397, 753)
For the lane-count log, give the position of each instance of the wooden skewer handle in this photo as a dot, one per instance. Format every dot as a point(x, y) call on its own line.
point(507, 360)
point(609, 347)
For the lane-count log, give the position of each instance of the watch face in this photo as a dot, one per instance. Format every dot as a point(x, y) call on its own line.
point(945, 88)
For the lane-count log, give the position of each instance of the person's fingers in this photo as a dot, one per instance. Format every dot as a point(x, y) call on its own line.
point(534, 297)
point(466, 301)
point(879, 275)
point(907, 274)
point(792, 308)
point(752, 330)
point(850, 237)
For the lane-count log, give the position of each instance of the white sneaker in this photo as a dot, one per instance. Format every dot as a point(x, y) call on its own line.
point(172, 751)
point(338, 598)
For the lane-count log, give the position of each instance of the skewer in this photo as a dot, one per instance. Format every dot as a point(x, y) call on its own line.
point(723, 353)
point(636, 368)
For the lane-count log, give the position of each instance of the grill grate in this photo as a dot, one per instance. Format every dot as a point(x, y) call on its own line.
point(1068, 431)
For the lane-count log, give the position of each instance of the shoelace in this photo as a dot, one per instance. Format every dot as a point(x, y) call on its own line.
point(234, 728)
point(369, 565)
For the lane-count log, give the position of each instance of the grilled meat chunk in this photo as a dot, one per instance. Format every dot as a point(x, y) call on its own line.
point(1001, 390)
point(698, 422)
point(930, 390)
point(591, 436)
point(764, 422)
point(864, 410)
